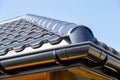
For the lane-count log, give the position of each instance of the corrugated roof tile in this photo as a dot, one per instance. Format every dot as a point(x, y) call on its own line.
point(17, 35)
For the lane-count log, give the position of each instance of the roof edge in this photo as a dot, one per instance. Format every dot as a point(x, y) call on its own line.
point(11, 20)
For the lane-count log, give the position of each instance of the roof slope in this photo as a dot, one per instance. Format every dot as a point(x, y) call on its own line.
point(19, 34)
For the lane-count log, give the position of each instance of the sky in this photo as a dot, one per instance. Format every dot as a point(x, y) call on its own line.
point(101, 16)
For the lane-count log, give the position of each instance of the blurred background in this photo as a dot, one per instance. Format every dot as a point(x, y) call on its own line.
point(101, 16)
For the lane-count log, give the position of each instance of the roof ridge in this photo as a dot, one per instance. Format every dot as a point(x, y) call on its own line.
point(62, 28)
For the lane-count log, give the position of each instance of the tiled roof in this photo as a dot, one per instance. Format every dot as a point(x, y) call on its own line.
point(19, 34)
point(33, 31)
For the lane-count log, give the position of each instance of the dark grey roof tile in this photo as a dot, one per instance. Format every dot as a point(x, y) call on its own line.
point(19, 34)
